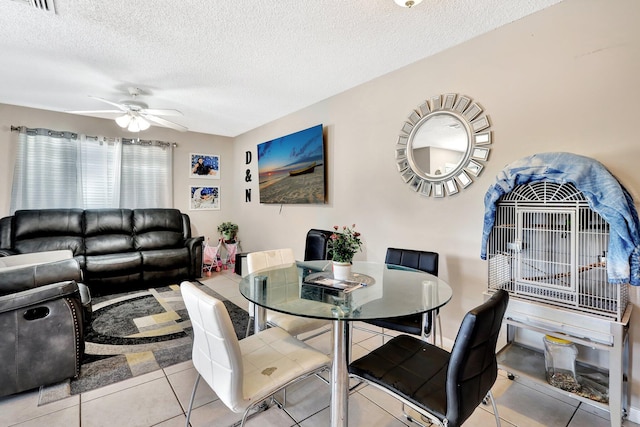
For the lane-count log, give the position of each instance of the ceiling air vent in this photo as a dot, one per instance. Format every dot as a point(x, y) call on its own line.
point(44, 5)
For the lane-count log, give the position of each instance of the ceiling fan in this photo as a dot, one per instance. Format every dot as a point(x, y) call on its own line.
point(135, 115)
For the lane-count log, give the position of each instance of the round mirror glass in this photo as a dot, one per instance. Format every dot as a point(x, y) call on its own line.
point(443, 144)
point(439, 145)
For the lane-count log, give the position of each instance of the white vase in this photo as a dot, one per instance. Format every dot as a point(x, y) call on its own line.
point(341, 270)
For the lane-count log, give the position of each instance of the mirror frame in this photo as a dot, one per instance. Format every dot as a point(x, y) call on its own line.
point(479, 138)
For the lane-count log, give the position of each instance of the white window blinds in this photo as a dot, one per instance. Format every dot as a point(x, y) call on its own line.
point(146, 178)
point(66, 170)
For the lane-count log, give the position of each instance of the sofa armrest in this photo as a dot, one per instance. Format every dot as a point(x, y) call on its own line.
point(39, 295)
point(17, 279)
point(33, 258)
point(194, 244)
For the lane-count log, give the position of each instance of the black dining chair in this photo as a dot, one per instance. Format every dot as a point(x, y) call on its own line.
point(444, 387)
point(317, 245)
point(416, 324)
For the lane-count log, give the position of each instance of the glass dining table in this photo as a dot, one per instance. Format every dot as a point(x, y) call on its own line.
point(373, 291)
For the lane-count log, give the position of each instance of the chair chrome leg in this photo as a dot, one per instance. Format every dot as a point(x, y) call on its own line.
point(440, 329)
point(495, 408)
point(260, 407)
point(282, 404)
point(193, 397)
point(246, 334)
point(412, 419)
point(244, 417)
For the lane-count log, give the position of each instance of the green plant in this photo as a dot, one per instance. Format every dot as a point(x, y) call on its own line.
point(345, 244)
point(228, 229)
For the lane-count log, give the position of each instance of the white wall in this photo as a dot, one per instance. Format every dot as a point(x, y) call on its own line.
point(564, 79)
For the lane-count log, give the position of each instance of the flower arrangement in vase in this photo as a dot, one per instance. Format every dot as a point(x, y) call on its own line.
point(344, 243)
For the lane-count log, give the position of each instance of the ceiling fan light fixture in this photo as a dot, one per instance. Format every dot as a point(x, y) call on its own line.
point(136, 116)
point(143, 123)
point(134, 126)
point(138, 124)
point(124, 120)
point(407, 3)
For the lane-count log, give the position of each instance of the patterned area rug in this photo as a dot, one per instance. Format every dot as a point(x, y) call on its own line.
point(135, 333)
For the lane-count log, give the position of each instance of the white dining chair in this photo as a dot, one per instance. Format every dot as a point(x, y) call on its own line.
point(243, 373)
point(294, 325)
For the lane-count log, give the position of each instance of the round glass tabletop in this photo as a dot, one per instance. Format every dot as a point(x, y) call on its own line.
point(374, 291)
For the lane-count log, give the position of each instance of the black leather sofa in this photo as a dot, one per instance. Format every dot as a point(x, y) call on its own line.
point(117, 249)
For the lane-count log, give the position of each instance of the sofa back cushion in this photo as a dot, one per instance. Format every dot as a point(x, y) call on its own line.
point(157, 229)
point(48, 230)
point(108, 231)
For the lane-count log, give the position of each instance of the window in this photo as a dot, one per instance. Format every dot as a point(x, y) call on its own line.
point(67, 170)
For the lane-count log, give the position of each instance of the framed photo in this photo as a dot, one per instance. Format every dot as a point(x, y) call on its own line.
point(204, 198)
point(204, 166)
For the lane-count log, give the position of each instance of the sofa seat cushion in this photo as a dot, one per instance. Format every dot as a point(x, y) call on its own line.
point(163, 266)
point(113, 264)
point(165, 259)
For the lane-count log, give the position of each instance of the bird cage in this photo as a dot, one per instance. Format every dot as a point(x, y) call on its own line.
point(547, 245)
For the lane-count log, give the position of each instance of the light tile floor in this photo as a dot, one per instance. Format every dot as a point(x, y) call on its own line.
point(160, 398)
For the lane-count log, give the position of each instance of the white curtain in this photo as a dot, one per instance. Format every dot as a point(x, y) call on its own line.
point(147, 181)
point(45, 171)
point(99, 163)
point(66, 170)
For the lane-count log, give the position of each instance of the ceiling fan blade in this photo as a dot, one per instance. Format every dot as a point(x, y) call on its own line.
point(95, 111)
point(160, 112)
point(115, 104)
point(165, 123)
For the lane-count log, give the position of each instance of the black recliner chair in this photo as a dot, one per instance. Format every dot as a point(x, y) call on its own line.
point(42, 321)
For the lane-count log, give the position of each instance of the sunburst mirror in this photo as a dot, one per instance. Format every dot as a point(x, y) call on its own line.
point(443, 145)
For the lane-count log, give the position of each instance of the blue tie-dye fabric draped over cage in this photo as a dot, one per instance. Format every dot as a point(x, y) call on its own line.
point(603, 192)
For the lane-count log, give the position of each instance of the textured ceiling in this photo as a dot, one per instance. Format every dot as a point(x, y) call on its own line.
point(228, 65)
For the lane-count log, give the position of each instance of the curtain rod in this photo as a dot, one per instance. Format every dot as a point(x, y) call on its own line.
point(96, 138)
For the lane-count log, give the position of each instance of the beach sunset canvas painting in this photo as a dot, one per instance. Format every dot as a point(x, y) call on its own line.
point(291, 168)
